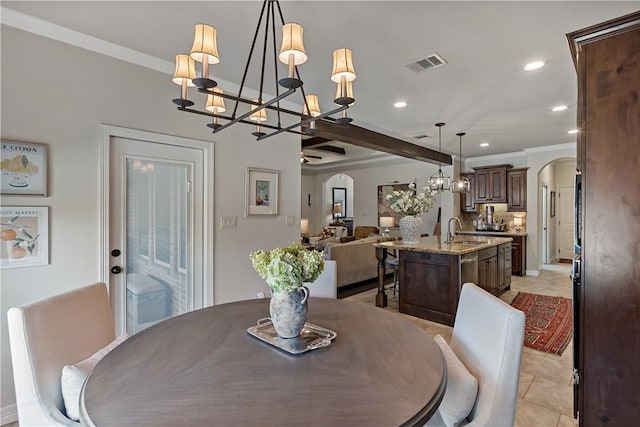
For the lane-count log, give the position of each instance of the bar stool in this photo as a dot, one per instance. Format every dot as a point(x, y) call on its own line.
point(394, 264)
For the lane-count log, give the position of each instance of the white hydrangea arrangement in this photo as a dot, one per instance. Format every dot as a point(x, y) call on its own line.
point(407, 202)
point(286, 269)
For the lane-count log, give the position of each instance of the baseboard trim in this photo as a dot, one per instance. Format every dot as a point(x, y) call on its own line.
point(9, 414)
point(533, 272)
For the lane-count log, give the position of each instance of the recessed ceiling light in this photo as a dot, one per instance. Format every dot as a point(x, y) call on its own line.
point(559, 108)
point(533, 66)
point(400, 104)
point(484, 144)
point(573, 131)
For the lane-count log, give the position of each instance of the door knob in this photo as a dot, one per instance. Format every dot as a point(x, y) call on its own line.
point(116, 269)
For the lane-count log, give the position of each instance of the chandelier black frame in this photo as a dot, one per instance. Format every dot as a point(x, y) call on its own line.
point(344, 97)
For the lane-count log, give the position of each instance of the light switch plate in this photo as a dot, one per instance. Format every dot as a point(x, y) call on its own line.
point(291, 220)
point(229, 222)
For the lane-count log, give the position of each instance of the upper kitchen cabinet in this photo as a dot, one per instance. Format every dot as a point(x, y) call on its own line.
point(491, 184)
point(517, 190)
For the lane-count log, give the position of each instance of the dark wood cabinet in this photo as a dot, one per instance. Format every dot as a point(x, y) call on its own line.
point(488, 269)
point(519, 255)
point(504, 267)
point(607, 313)
point(517, 190)
point(491, 185)
point(467, 200)
point(429, 286)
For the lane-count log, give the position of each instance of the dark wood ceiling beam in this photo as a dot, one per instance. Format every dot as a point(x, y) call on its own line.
point(314, 142)
point(330, 149)
point(366, 138)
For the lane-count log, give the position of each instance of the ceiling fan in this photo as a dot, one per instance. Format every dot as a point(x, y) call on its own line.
point(304, 158)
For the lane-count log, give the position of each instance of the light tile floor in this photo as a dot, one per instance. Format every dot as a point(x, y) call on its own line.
point(545, 395)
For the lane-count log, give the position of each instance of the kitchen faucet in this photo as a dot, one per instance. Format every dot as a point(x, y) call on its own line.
point(449, 235)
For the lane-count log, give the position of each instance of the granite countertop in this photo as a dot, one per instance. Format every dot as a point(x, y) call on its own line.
point(436, 244)
point(492, 233)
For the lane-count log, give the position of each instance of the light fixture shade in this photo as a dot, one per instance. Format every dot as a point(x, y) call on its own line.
point(292, 44)
point(314, 106)
point(215, 104)
point(343, 66)
point(439, 181)
point(386, 221)
point(205, 45)
point(185, 70)
point(349, 91)
point(259, 116)
point(304, 225)
point(463, 185)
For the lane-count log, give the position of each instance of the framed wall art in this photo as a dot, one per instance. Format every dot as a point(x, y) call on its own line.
point(552, 205)
point(261, 191)
point(24, 236)
point(24, 168)
point(384, 208)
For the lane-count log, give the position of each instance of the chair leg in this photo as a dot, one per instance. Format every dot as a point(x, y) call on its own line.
point(395, 280)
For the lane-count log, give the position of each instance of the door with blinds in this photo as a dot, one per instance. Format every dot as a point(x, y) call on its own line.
point(156, 234)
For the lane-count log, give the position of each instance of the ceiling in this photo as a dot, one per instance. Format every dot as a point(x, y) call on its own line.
point(482, 91)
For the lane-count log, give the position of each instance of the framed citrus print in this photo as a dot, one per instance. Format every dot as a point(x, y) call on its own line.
point(24, 236)
point(23, 168)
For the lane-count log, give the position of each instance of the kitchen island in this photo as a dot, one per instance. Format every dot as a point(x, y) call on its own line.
point(518, 247)
point(431, 273)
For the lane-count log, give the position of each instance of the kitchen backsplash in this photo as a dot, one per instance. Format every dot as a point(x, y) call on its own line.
point(500, 213)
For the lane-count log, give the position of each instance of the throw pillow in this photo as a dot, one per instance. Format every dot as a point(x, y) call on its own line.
point(462, 388)
point(73, 377)
point(347, 239)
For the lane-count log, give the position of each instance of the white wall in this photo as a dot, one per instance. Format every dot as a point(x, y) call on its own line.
point(59, 95)
point(547, 177)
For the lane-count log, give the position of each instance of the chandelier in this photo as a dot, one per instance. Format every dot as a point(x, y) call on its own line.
point(462, 184)
point(439, 181)
point(292, 53)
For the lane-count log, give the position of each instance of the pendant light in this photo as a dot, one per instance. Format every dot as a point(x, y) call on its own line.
point(439, 181)
point(462, 185)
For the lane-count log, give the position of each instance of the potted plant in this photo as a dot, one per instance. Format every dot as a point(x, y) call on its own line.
point(412, 206)
point(285, 271)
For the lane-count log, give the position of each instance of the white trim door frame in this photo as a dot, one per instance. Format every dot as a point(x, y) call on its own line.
point(205, 269)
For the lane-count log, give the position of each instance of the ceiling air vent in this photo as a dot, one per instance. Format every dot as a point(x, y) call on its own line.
point(424, 135)
point(429, 62)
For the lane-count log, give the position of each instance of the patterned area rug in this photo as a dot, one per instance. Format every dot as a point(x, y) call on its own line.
point(548, 324)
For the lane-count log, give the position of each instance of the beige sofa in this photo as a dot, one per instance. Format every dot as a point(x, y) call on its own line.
point(356, 260)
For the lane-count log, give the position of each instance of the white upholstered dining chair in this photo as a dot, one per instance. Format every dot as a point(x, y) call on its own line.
point(326, 285)
point(487, 338)
point(47, 335)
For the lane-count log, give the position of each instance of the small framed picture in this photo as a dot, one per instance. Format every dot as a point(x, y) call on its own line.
point(24, 168)
point(24, 236)
point(261, 191)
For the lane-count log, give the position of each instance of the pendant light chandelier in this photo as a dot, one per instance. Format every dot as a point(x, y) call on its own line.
point(439, 181)
point(462, 185)
point(292, 53)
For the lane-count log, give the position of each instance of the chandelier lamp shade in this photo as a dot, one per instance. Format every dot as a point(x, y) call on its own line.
point(439, 181)
point(292, 53)
point(462, 184)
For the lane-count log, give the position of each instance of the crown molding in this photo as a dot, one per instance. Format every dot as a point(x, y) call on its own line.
point(558, 147)
point(40, 27)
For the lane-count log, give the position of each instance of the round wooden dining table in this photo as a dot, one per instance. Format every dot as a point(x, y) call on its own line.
point(203, 369)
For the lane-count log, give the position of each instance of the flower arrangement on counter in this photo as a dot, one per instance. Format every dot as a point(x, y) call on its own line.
point(286, 269)
point(408, 202)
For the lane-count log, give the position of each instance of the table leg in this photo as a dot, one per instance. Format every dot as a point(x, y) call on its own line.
point(381, 296)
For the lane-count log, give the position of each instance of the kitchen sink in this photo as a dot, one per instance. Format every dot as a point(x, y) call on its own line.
point(468, 242)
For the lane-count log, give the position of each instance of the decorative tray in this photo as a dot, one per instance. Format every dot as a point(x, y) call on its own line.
point(311, 337)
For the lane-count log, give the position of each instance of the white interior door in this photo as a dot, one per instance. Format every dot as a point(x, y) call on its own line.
point(155, 231)
point(565, 222)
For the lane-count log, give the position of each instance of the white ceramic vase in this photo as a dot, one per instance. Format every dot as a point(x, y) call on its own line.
point(289, 311)
point(410, 229)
